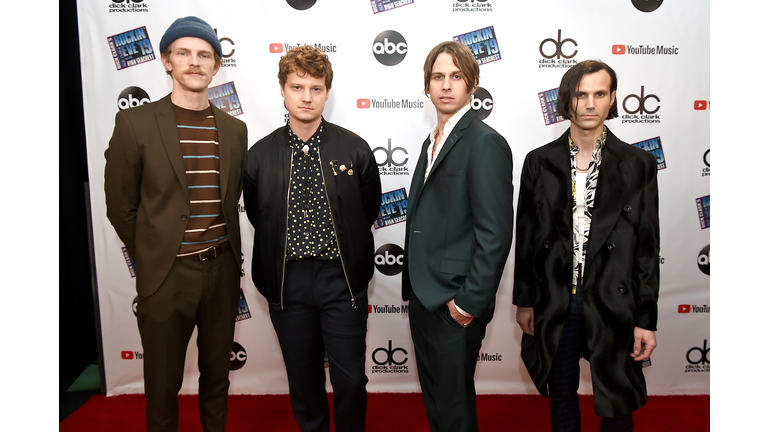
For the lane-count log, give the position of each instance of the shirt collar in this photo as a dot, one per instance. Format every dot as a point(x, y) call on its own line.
point(450, 124)
point(599, 144)
point(314, 141)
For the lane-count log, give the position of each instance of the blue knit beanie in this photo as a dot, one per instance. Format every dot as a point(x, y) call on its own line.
point(190, 27)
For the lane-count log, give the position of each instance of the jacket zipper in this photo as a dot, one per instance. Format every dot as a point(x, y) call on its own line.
point(335, 230)
point(287, 216)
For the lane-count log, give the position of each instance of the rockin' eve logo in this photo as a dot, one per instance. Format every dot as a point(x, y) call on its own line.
point(389, 48)
point(394, 208)
point(641, 108)
point(389, 360)
point(129, 6)
point(387, 5)
point(389, 259)
point(132, 97)
point(558, 53)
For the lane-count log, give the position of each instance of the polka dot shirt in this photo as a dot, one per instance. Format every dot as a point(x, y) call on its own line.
point(310, 227)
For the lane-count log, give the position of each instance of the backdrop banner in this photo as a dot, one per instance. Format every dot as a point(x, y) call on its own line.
point(659, 49)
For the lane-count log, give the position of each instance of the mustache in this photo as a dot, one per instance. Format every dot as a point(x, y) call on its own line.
point(194, 70)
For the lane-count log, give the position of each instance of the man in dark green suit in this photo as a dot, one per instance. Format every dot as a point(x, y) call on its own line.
point(458, 237)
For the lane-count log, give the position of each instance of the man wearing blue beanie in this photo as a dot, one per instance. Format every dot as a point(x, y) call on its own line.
point(172, 181)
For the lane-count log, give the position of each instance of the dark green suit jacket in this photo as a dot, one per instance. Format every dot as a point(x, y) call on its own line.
point(459, 225)
point(145, 186)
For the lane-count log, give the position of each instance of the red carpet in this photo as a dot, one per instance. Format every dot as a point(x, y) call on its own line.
point(388, 412)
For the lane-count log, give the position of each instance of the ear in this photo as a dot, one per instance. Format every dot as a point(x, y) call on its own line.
point(613, 97)
point(166, 63)
point(216, 69)
point(282, 88)
point(327, 94)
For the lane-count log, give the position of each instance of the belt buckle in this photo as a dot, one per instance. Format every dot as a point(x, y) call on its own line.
point(205, 256)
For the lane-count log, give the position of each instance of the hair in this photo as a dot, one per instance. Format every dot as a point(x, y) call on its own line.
point(462, 57)
point(167, 53)
point(304, 60)
point(569, 85)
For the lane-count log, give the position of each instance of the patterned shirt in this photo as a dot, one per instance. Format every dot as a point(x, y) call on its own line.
point(310, 227)
point(579, 249)
point(198, 138)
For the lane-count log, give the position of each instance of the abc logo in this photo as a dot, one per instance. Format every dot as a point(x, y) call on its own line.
point(389, 259)
point(301, 4)
point(135, 306)
point(390, 152)
point(132, 97)
point(647, 5)
point(238, 357)
point(558, 47)
point(703, 260)
point(706, 157)
point(641, 108)
point(389, 48)
point(387, 356)
point(482, 103)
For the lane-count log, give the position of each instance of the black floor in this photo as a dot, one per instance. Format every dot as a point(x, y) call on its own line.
point(70, 402)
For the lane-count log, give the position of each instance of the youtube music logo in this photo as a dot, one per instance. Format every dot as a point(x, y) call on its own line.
point(619, 49)
point(275, 48)
point(363, 103)
point(692, 309)
point(700, 105)
point(126, 355)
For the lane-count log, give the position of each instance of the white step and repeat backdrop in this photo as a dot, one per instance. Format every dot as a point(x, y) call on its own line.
point(659, 49)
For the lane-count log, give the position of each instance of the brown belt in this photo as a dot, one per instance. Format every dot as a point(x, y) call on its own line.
point(214, 251)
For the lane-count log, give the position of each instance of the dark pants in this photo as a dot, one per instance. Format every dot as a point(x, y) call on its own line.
point(564, 376)
point(318, 318)
point(446, 358)
point(195, 293)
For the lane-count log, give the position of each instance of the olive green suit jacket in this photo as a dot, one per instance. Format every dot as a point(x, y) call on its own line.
point(145, 185)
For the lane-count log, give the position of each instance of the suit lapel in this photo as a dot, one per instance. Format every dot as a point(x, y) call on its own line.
point(456, 134)
point(224, 150)
point(417, 181)
point(556, 179)
point(166, 122)
point(608, 200)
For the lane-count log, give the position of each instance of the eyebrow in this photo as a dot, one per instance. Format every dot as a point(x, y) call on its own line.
point(456, 72)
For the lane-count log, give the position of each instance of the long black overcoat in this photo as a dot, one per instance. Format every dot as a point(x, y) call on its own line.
point(621, 272)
